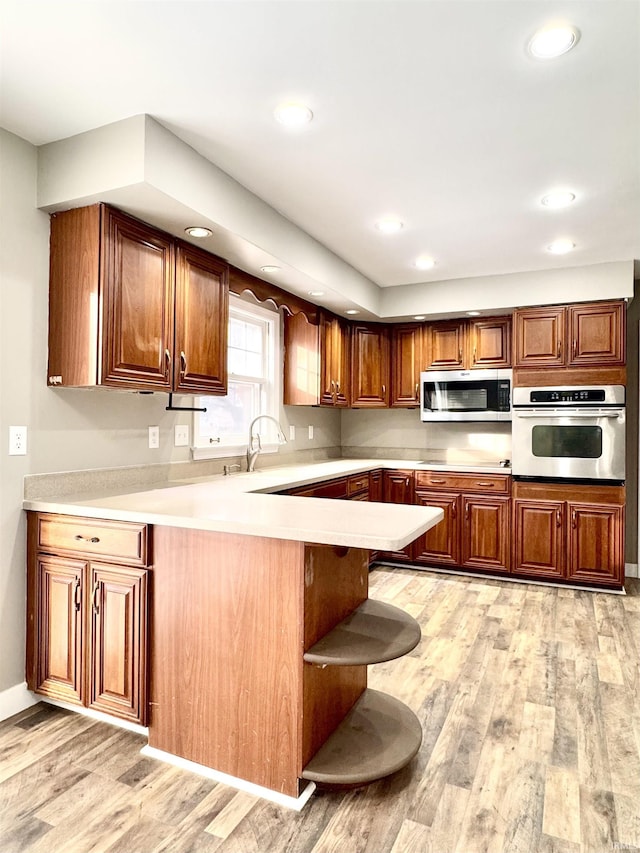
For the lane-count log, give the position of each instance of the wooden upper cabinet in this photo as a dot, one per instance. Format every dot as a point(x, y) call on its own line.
point(200, 363)
point(137, 293)
point(121, 313)
point(334, 361)
point(369, 365)
point(301, 385)
point(539, 337)
point(489, 342)
point(406, 364)
point(597, 334)
point(468, 344)
point(445, 345)
point(589, 335)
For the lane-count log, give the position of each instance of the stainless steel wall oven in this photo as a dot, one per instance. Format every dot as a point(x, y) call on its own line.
point(569, 433)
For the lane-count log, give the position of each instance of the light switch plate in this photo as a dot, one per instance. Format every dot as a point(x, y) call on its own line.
point(181, 435)
point(292, 432)
point(310, 430)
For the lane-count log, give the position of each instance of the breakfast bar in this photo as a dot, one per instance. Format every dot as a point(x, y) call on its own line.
point(254, 628)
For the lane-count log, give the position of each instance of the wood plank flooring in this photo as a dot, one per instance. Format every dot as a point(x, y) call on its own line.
point(529, 700)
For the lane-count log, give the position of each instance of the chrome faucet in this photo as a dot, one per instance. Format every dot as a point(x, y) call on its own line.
point(252, 449)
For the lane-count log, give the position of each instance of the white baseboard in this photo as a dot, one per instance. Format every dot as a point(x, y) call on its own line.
point(97, 715)
point(16, 699)
point(295, 803)
point(631, 570)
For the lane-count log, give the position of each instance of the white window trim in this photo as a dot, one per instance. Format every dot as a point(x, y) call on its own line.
point(202, 451)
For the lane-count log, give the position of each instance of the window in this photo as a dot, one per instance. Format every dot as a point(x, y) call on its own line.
point(253, 356)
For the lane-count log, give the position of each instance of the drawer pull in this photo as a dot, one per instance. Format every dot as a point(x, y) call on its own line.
point(92, 539)
point(485, 485)
point(438, 482)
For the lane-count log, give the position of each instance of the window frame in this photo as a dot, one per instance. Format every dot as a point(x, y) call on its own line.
point(202, 447)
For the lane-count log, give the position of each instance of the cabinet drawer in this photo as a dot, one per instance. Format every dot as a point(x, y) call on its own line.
point(495, 484)
point(357, 483)
point(328, 489)
point(98, 539)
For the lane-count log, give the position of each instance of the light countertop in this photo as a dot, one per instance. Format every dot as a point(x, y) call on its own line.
point(243, 503)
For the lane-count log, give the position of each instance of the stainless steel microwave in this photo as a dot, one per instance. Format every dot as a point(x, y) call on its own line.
point(466, 395)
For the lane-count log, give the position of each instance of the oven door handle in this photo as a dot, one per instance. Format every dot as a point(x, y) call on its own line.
point(556, 413)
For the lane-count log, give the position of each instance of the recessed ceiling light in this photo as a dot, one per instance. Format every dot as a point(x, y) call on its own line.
point(561, 247)
point(424, 262)
point(553, 41)
point(420, 317)
point(316, 293)
point(270, 268)
point(198, 231)
point(389, 225)
point(557, 199)
point(473, 313)
point(293, 115)
point(352, 311)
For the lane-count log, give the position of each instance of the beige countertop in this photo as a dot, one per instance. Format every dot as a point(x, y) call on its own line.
point(243, 503)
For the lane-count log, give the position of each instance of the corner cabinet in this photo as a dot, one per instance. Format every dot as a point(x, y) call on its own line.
point(87, 613)
point(317, 360)
point(131, 307)
point(335, 365)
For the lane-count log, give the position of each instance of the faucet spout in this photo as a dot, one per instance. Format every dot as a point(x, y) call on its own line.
point(255, 443)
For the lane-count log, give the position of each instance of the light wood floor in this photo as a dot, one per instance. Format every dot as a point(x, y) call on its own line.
point(529, 699)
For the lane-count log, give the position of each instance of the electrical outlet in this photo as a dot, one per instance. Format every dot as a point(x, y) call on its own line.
point(17, 441)
point(181, 435)
point(310, 430)
point(154, 437)
point(292, 432)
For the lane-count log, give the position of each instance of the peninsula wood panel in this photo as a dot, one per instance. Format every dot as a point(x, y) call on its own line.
point(202, 293)
point(226, 653)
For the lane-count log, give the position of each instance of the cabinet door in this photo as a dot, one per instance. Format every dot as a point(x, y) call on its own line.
point(334, 362)
point(406, 364)
point(118, 634)
point(398, 489)
point(485, 537)
point(375, 485)
point(369, 366)
point(597, 334)
point(301, 361)
point(445, 345)
point(539, 337)
point(596, 547)
point(539, 527)
point(201, 311)
point(138, 268)
point(490, 342)
point(441, 544)
point(60, 628)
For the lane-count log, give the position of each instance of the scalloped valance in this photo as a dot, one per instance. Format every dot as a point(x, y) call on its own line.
point(240, 281)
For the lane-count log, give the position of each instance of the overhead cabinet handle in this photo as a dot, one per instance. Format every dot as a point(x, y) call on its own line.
point(167, 364)
point(183, 364)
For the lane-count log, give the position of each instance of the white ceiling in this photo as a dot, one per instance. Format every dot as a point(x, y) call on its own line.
point(427, 109)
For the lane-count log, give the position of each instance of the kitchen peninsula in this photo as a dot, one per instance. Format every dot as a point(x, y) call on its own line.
point(248, 610)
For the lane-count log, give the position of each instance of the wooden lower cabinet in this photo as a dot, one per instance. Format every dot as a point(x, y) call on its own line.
point(87, 626)
point(573, 533)
point(398, 488)
point(441, 544)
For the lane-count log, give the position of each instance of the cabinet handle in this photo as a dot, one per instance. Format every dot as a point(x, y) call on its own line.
point(92, 539)
point(384, 390)
point(575, 348)
point(183, 364)
point(167, 365)
point(77, 596)
point(466, 510)
point(438, 482)
point(94, 598)
point(417, 389)
point(486, 485)
point(558, 517)
point(337, 387)
point(559, 351)
point(454, 510)
point(460, 354)
point(474, 355)
point(574, 521)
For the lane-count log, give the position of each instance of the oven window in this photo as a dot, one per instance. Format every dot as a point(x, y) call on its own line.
point(575, 442)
